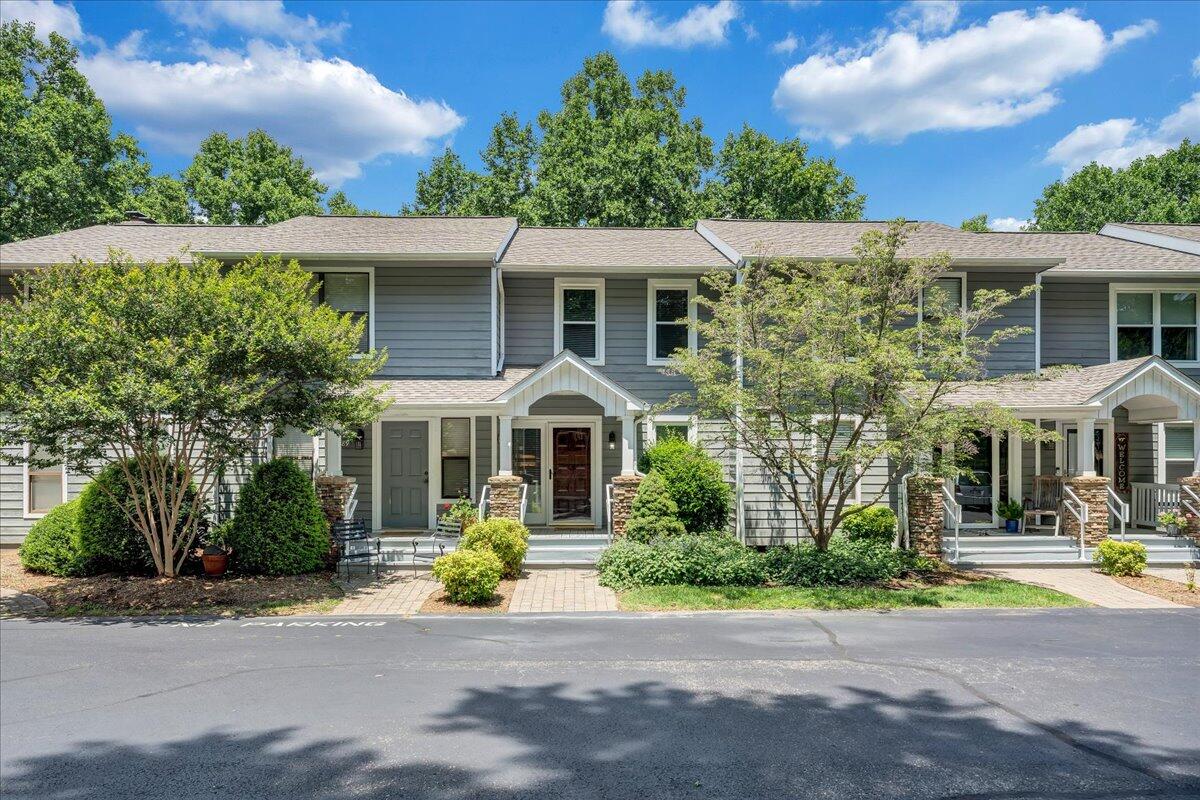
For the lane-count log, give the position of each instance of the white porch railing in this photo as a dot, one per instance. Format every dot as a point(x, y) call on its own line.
point(1190, 500)
point(1152, 499)
point(953, 516)
point(524, 503)
point(351, 503)
point(1074, 506)
point(608, 503)
point(1119, 509)
point(483, 501)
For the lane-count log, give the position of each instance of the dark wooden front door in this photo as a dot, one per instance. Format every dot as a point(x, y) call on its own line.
point(572, 459)
point(406, 474)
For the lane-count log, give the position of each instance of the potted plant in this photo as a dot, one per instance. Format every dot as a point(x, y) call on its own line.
point(215, 555)
point(1011, 512)
point(462, 511)
point(1172, 521)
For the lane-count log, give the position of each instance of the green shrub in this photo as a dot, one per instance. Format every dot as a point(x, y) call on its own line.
point(845, 562)
point(469, 576)
point(278, 527)
point(108, 541)
point(507, 538)
point(52, 545)
point(711, 559)
point(1120, 558)
point(694, 481)
point(871, 523)
point(653, 514)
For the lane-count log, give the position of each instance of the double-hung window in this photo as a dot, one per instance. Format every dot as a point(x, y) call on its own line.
point(349, 292)
point(456, 457)
point(1161, 322)
point(44, 487)
point(948, 294)
point(671, 312)
point(1177, 451)
point(579, 318)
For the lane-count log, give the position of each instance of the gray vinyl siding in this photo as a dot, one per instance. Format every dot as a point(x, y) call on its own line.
point(1142, 448)
point(12, 525)
point(357, 464)
point(434, 319)
point(483, 454)
point(529, 331)
point(1018, 354)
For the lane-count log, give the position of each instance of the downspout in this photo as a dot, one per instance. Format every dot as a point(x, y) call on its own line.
point(495, 326)
point(1037, 324)
point(500, 319)
point(738, 453)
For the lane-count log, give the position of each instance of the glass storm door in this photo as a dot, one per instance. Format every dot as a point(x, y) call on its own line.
point(527, 462)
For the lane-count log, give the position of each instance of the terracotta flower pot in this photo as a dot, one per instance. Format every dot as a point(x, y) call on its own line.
point(216, 564)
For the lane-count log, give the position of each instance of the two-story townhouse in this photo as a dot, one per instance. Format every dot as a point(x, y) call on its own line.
point(538, 353)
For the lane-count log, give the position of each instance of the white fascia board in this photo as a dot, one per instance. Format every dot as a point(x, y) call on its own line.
point(1163, 240)
point(720, 244)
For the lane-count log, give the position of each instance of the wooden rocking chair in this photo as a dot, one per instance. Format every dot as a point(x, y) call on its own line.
point(1047, 501)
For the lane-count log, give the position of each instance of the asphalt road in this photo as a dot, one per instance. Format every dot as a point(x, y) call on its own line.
point(1070, 703)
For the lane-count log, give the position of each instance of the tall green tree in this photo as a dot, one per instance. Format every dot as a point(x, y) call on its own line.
point(508, 164)
point(61, 167)
point(163, 198)
point(447, 188)
point(758, 177)
point(833, 356)
point(1164, 188)
point(619, 154)
point(250, 181)
point(199, 361)
point(975, 224)
point(342, 206)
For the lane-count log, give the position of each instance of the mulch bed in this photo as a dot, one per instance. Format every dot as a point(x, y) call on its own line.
point(438, 603)
point(110, 595)
point(1161, 587)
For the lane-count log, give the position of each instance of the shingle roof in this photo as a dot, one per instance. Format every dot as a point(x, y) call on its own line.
point(439, 236)
point(1058, 387)
point(444, 391)
point(1071, 252)
point(1190, 232)
point(611, 247)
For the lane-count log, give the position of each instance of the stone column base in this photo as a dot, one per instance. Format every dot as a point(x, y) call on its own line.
point(1093, 491)
point(625, 488)
point(504, 496)
point(1193, 521)
point(926, 515)
point(333, 492)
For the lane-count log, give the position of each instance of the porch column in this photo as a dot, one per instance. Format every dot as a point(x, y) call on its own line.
point(1087, 447)
point(628, 440)
point(506, 445)
point(333, 453)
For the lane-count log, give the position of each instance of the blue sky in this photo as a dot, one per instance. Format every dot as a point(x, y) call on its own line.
point(940, 109)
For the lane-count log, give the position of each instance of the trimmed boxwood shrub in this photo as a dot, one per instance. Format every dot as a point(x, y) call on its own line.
point(1120, 558)
point(507, 538)
point(653, 514)
point(278, 527)
point(845, 562)
point(469, 576)
point(694, 481)
point(871, 523)
point(52, 545)
point(711, 559)
point(108, 541)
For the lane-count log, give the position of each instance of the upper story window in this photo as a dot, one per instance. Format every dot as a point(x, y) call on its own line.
point(671, 311)
point(951, 289)
point(456, 457)
point(44, 487)
point(1160, 322)
point(350, 292)
point(579, 318)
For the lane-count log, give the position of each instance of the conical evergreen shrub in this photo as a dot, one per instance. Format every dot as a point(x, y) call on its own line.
point(654, 514)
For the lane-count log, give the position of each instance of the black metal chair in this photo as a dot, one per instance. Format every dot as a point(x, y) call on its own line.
point(356, 545)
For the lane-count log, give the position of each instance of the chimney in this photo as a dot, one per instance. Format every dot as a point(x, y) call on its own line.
point(137, 218)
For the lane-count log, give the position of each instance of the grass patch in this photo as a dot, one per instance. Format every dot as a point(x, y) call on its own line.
point(988, 593)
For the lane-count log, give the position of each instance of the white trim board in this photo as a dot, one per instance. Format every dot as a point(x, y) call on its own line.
point(652, 322)
point(596, 285)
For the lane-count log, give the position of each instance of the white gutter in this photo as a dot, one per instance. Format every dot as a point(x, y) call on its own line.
point(1037, 324)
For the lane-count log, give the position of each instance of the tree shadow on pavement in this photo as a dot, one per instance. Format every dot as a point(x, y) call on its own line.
point(640, 740)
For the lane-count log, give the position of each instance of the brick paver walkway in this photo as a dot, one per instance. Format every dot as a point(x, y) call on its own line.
point(1085, 584)
point(392, 593)
point(561, 590)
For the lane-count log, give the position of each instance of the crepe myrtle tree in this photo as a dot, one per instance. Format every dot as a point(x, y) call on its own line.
point(174, 372)
point(844, 365)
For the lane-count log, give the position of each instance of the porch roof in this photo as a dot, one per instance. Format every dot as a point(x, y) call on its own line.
point(1146, 386)
point(451, 391)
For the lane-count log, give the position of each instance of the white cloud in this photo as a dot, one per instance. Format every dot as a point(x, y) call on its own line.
point(256, 17)
point(630, 22)
point(750, 31)
point(1132, 33)
point(1007, 224)
point(1196, 66)
point(46, 17)
point(787, 45)
point(1117, 142)
point(988, 75)
point(927, 16)
point(334, 114)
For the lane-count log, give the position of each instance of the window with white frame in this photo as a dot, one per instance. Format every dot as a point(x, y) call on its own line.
point(456, 457)
point(664, 427)
point(1161, 322)
point(579, 318)
point(1178, 455)
point(945, 293)
point(44, 487)
point(671, 310)
point(348, 293)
